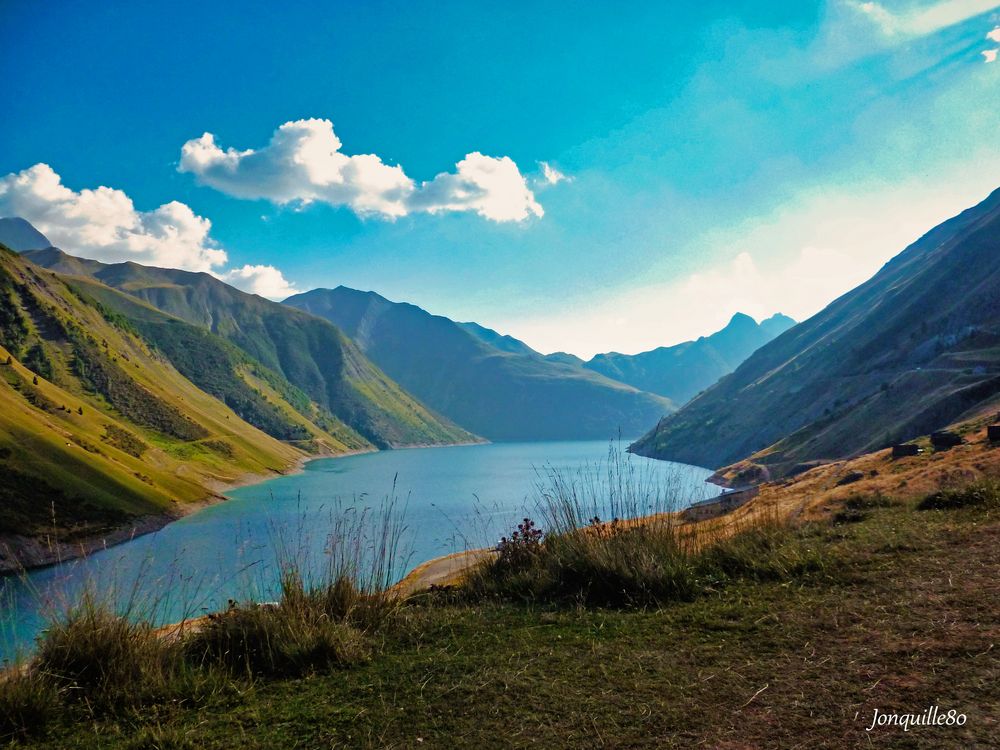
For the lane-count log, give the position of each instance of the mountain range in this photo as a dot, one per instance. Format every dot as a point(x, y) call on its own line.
point(97, 426)
point(500, 392)
point(909, 351)
point(310, 353)
point(501, 388)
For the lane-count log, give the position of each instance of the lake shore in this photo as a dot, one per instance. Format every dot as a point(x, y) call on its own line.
point(19, 553)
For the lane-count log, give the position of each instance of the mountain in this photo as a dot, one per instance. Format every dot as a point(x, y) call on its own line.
point(307, 352)
point(680, 372)
point(458, 370)
point(97, 427)
point(675, 372)
point(564, 358)
point(908, 352)
point(499, 341)
point(18, 234)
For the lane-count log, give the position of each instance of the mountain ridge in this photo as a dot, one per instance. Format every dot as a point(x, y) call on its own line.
point(311, 353)
point(497, 393)
point(907, 352)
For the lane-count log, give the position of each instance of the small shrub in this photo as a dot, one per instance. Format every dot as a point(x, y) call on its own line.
point(982, 494)
point(123, 440)
point(112, 663)
point(221, 447)
point(521, 547)
point(28, 702)
point(277, 640)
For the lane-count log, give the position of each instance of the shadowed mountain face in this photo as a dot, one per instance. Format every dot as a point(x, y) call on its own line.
point(309, 353)
point(680, 372)
point(491, 384)
point(19, 235)
point(905, 353)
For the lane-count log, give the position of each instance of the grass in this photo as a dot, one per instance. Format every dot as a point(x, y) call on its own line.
point(28, 703)
point(306, 631)
point(793, 637)
point(982, 494)
point(618, 563)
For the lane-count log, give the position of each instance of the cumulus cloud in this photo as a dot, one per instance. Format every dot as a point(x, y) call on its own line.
point(990, 55)
point(267, 281)
point(303, 163)
point(493, 188)
point(103, 223)
point(923, 20)
point(994, 36)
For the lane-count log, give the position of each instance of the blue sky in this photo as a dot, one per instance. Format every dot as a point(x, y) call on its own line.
point(586, 177)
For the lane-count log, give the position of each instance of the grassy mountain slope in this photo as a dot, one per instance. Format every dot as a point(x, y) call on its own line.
point(499, 394)
point(905, 353)
point(96, 427)
point(680, 372)
point(306, 351)
point(257, 394)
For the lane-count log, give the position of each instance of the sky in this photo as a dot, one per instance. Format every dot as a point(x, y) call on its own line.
point(586, 177)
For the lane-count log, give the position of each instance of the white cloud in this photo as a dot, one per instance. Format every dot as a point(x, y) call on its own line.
point(303, 163)
point(990, 55)
point(922, 20)
point(551, 175)
point(493, 188)
point(994, 36)
point(267, 281)
point(103, 223)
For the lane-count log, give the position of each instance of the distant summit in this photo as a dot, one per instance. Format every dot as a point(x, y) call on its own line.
point(18, 234)
point(682, 371)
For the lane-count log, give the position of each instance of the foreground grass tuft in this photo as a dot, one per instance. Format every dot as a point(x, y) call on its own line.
point(113, 664)
point(983, 494)
point(297, 635)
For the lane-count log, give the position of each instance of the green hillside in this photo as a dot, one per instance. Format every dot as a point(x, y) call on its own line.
point(309, 353)
point(484, 381)
point(909, 351)
point(96, 425)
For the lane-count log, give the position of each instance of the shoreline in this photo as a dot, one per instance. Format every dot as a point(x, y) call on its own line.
point(21, 554)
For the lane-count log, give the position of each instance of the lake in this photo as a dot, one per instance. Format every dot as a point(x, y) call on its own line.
point(450, 499)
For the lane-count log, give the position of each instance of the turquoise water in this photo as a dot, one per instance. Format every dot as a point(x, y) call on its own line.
point(450, 499)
